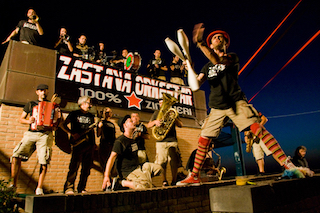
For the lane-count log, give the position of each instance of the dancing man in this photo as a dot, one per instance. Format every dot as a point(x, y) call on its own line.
point(226, 100)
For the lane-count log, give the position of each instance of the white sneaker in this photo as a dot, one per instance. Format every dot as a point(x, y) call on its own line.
point(39, 191)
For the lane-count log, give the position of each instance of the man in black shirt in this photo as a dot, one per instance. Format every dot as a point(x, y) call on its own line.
point(157, 66)
point(63, 45)
point(106, 129)
point(35, 138)
point(139, 135)
point(29, 30)
point(125, 150)
point(226, 100)
point(82, 135)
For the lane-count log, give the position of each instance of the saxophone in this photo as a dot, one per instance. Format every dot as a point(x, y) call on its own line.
point(167, 116)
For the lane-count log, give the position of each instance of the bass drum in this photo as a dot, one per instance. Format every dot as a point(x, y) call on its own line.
point(132, 62)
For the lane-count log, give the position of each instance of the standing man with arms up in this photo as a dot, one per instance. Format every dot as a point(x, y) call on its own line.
point(226, 100)
point(29, 30)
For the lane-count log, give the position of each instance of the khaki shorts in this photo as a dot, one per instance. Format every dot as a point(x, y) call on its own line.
point(177, 80)
point(142, 177)
point(142, 156)
point(162, 78)
point(245, 116)
point(42, 141)
point(259, 149)
point(163, 154)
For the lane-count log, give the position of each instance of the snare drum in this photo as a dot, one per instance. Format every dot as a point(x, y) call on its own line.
point(132, 62)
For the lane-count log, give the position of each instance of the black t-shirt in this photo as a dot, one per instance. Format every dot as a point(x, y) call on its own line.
point(223, 80)
point(127, 159)
point(156, 72)
point(108, 133)
point(80, 122)
point(140, 140)
point(28, 32)
point(62, 48)
point(172, 134)
point(176, 72)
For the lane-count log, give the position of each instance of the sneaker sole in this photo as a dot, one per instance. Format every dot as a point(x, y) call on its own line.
point(188, 184)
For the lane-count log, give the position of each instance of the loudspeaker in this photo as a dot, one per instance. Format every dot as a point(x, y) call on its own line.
point(23, 68)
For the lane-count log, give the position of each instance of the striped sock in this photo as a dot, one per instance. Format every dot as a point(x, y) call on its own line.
point(270, 142)
point(201, 153)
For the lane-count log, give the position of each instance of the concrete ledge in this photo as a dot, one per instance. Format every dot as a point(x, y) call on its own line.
point(266, 196)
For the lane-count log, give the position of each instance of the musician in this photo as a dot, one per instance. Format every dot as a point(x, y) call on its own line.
point(80, 129)
point(177, 71)
point(107, 132)
point(226, 100)
point(140, 135)
point(119, 61)
point(157, 66)
point(125, 150)
point(40, 139)
point(101, 55)
point(167, 148)
point(63, 45)
point(29, 30)
point(82, 49)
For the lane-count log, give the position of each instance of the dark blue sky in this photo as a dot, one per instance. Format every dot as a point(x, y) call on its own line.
point(143, 25)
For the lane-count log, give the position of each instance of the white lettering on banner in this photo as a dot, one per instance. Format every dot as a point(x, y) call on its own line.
point(101, 96)
point(181, 110)
point(87, 73)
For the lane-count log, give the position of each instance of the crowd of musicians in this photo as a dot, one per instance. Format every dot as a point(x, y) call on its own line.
point(124, 159)
point(30, 31)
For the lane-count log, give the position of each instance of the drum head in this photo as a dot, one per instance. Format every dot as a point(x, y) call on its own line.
point(62, 140)
point(129, 61)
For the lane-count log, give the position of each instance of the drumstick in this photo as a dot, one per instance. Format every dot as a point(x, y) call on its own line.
point(184, 43)
point(192, 77)
point(174, 48)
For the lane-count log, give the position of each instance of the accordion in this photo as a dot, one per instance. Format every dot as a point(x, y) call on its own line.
point(46, 114)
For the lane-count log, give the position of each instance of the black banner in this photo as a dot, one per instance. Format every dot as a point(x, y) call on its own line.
point(112, 87)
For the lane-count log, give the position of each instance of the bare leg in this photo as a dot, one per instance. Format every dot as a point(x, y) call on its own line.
point(43, 172)
point(15, 170)
point(260, 163)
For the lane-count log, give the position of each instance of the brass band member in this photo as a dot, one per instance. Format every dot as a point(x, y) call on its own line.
point(157, 66)
point(167, 148)
point(29, 30)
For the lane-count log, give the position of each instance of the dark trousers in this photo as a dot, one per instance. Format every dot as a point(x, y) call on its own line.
point(80, 155)
point(104, 154)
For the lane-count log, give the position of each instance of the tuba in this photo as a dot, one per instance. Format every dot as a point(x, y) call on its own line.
point(167, 116)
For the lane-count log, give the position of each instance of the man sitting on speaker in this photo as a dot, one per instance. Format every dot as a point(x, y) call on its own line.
point(226, 100)
point(83, 141)
point(29, 30)
point(125, 150)
point(39, 139)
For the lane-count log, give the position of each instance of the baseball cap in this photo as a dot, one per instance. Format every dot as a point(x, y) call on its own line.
point(42, 87)
point(121, 121)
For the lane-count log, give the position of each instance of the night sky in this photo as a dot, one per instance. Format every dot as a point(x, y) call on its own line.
point(290, 101)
